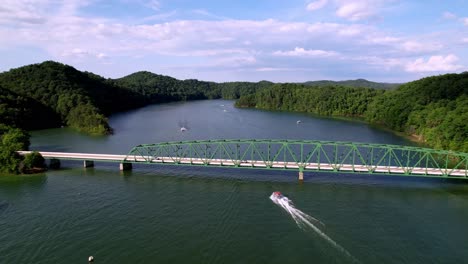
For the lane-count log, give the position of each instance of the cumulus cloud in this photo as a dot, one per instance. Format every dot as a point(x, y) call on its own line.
point(355, 10)
point(316, 5)
point(22, 12)
point(435, 64)
point(304, 52)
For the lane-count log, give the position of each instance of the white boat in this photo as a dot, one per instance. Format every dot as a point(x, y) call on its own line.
point(183, 129)
point(298, 122)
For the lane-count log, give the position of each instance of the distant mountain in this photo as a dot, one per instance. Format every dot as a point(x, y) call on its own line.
point(355, 83)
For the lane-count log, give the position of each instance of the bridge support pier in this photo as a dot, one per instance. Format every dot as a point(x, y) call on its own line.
point(301, 175)
point(54, 164)
point(88, 163)
point(125, 166)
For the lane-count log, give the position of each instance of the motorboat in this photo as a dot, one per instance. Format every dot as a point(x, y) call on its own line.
point(278, 195)
point(298, 122)
point(183, 129)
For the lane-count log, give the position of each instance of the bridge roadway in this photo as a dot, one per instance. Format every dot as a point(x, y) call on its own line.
point(280, 165)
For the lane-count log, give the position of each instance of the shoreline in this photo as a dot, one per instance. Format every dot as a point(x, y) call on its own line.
point(414, 138)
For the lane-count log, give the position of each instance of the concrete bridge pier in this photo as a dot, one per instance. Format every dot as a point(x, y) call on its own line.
point(125, 166)
point(88, 163)
point(301, 175)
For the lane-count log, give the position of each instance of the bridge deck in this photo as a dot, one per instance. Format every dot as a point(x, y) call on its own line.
point(257, 164)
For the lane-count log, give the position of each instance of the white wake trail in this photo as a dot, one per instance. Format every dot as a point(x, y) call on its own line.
point(304, 220)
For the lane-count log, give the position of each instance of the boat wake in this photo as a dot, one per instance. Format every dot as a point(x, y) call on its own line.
point(305, 221)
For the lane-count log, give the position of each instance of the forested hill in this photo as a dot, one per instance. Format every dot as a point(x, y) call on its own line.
point(323, 100)
point(159, 88)
point(80, 100)
point(434, 109)
point(355, 83)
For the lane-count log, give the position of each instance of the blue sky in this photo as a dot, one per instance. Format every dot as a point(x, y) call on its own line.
point(276, 40)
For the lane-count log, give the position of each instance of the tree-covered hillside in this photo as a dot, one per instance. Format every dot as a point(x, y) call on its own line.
point(24, 112)
point(234, 90)
point(159, 88)
point(81, 100)
point(434, 109)
point(323, 100)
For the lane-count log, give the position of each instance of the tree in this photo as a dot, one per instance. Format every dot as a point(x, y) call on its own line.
point(33, 160)
point(11, 141)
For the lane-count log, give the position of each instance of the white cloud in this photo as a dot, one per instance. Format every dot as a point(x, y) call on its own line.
point(464, 40)
point(233, 62)
point(83, 54)
point(153, 4)
point(383, 40)
point(101, 56)
point(355, 10)
point(418, 47)
point(465, 21)
point(434, 64)
point(379, 62)
point(316, 5)
point(448, 15)
point(335, 29)
point(22, 12)
point(270, 69)
point(297, 52)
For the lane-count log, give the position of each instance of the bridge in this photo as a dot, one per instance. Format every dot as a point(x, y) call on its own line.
point(296, 155)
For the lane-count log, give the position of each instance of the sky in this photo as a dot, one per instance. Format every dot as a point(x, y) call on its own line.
point(241, 40)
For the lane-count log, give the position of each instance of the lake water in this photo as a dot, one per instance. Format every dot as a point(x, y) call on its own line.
point(170, 214)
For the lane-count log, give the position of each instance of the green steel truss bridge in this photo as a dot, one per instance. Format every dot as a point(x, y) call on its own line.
point(295, 155)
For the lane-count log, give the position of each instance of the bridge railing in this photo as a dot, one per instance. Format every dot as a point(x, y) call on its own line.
point(303, 153)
